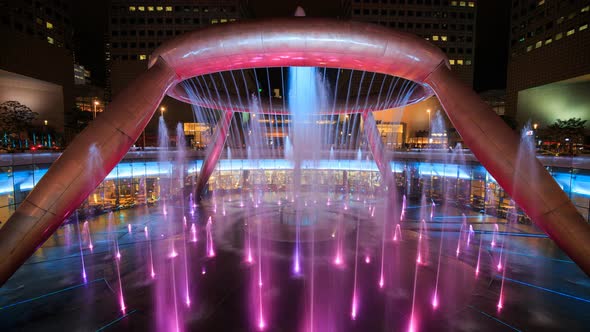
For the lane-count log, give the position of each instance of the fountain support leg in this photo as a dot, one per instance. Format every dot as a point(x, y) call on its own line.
point(212, 156)
point(71, 178)
point(496, 146)
point(376, 146)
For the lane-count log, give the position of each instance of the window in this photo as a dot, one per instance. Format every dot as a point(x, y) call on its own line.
point(48, 25)
point(168, 8)
point(471, 4)
point(453, 3)
point(142, 57)
point(214, 21)
point(548, 41)
point(159, 8)
point(443, 38)
point(452, 62)
point(468, 62)
point(570, 32)
point(559, 36)
point(50, 40)
point(435, 38)
point(583, 27)
point(585, 9)
point(462, 4)
point(529, 48)
point(538, 44)
point(150, 8)
point(141, 8)
point(132, 8)
point(460, 62)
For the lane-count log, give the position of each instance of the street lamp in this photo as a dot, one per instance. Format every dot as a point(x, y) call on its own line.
point(96, 103)
point(162, 110)
point(428, 111)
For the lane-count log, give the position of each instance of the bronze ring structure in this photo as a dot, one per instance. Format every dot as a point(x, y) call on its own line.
point(297, 41)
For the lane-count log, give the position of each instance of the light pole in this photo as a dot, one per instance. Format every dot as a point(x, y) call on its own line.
point(96, 103)
point(429, 129)
point(162, 110)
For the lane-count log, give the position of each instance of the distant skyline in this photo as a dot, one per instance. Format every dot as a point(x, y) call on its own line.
point(491, 53)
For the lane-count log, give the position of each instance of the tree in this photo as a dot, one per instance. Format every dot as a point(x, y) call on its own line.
point(566, 133)
point(15, 117)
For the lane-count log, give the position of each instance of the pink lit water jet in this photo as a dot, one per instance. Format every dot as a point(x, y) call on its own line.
point(354, 305)
point(84, 277)
point(478, 256)
point(129, 229)
point(86, 230)
point(210, 246)
point(397, 233)
point(494, 234)
point(149, 239)
point(193, 233)
point(368, 259)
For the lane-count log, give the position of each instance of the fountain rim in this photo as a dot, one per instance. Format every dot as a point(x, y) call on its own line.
point(302, 42)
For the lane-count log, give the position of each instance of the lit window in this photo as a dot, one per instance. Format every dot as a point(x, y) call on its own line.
point(540, 2)
point(585, 9)
point(214, 21)
point(132, 8)
point(435, 38)
point(453, 3)
point(49, 25)
point(141, 8)
point(39, 21)
point(452, 62)
point(468, 62)
point(443, 38)
point(142, 57)
point(49, 40)
point(559, 36)
point(548, 41)
point(232, 19)
point(159, 8)
point(168, 8)
point(538, 44)
point(471, 4)
point(460, 62)
point(529, 48)
point(570, 32)
point(150, 8)
point(583, 27)
point(462, 3)
point(223, 20)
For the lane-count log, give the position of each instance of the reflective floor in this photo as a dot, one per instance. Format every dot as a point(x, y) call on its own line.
point(355, 271)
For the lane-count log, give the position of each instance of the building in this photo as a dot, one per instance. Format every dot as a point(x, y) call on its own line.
point(29, 29)
point(549, 64)
point(81, 75)
point(135, 29)
point(448, 24)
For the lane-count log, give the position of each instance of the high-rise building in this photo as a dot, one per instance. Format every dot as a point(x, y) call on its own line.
point(36, 61)
point(549, 63)
point(137, 28)
point(448, 24)
point(47, 20)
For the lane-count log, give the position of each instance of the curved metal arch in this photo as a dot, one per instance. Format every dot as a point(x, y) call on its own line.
point(290, 42)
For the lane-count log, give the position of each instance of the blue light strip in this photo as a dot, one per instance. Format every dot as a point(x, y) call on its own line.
point(545, 289)
point(49, 294)
point(116, 320)
point(27, 179)
point(532, 256)
point(494, 318)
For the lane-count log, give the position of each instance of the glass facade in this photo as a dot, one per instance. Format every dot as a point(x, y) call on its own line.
point(137, 179)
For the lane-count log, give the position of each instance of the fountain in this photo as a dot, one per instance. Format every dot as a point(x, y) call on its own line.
point(290, 239)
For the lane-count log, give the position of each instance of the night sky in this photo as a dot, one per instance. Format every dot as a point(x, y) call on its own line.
point(491, 54)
